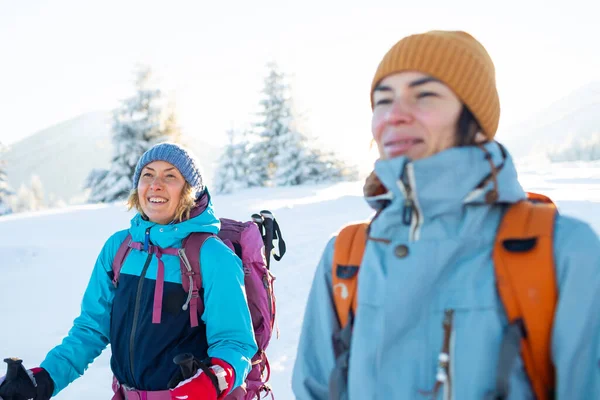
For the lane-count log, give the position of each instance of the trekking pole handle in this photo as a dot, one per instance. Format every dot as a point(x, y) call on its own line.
point(12, 368)
point(187, 365)
point(257, 219)
point(266, 214)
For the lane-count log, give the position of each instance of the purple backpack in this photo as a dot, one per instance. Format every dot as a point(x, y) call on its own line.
point(252, 241)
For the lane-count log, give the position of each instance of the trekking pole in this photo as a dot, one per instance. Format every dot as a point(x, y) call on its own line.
point(258, 220)
point(268, 239)
point(12, 369)
point(187, 365)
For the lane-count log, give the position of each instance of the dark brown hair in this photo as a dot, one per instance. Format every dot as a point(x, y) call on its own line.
point(467, 127)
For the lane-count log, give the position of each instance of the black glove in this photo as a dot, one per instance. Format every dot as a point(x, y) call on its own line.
point(22, 384)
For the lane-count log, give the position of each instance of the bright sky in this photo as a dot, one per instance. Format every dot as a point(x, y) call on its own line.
point(61, 58)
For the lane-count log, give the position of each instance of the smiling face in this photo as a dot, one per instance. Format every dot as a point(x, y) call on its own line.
point(159, 191)
point(414, 115)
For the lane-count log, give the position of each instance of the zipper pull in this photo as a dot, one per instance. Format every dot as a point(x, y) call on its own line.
point(448, 319)
point(407, 212)
point(443, 376)
point(147, 240)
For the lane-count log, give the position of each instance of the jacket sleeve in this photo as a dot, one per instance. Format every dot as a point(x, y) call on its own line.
point(89, 335)
point(229, 331)
point(576, 332)
point(315, 357)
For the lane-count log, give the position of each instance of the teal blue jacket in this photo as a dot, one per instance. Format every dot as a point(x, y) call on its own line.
point(142, 352)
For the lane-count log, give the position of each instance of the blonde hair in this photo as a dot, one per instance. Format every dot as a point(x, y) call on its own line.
point(186, 203)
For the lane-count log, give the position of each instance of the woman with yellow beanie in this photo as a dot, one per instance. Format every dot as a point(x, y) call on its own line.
point(426, 316)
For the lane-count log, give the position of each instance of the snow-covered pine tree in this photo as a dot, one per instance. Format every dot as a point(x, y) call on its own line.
point(293, 166)
point(232, 171)
point(23, 200)
point(138, 124)
point(326, 166)
point(94, 178)
point(171, 128)
point(55, 202)
point(283, 155)
point(275, 117)
point(251, 162)
point(5, 192)
point(37, 193)
point(29, 198)
point(581, 149)
point(302, 163)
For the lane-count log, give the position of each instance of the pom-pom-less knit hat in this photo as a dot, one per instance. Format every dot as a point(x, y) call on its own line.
point(458, 60)
point(174, 154)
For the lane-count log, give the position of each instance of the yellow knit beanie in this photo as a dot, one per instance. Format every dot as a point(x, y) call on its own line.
point(458, 60)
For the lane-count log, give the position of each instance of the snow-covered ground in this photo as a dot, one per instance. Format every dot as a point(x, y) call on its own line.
point(46, 259)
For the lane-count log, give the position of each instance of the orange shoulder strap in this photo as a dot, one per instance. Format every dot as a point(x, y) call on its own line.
point(539, 198)
point(349, 247)
point(526, 279)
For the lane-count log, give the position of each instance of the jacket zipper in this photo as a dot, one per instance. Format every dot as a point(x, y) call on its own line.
point(443, 376)
point(451, 366)
point(448, 351)
point(411, 213)
point(136, 311)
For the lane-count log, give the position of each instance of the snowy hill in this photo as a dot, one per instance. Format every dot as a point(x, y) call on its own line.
point(64, 154)
point(47, 259)
point(574, 118)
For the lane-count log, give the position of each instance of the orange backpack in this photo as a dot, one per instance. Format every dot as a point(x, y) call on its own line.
point(525, 276)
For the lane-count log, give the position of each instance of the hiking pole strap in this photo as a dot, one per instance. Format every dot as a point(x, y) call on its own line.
point(510, 349)
point(338, 380)
point(280, 241)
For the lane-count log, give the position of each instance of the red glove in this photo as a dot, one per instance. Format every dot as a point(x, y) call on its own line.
point(202, 386)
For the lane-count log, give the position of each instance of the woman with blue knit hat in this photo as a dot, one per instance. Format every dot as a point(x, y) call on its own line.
point(182, 184)
point(461, 286)
point(140, 314)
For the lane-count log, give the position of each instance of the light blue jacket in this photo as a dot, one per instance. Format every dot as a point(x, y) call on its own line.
point(398, 331)
point(228, 334)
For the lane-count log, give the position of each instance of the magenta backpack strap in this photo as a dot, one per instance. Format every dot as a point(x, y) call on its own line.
point(160, 280)
point(191, 277)
point(120, 258)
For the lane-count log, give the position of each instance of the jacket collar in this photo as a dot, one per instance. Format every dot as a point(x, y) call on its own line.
point(446, 181)
point(202, 219)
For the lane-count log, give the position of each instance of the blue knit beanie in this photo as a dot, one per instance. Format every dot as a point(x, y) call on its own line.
point(174, 154)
